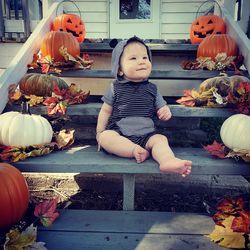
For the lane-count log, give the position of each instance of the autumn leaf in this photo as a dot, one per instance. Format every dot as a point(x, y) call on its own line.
point(46, 211)
point(16, 240)
point(217, 149)
point(224, 236)
point(241, 223)
point(34, 100)
point(231, 205)
point(65, 138)
point(243, 154)
point(188, 98)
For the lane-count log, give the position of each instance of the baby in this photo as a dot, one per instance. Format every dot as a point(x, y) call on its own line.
point(125, 124)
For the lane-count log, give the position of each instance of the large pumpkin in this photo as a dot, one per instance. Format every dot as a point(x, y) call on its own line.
point(54, 40)
point(235, 132)
point(18, 129)
point(14, 195)
point(70, 23)
point(215, 44)
point(204, 26)
point(223, 83)
point(40, 84)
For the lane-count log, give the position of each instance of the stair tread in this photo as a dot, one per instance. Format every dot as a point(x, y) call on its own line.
point(86, 159)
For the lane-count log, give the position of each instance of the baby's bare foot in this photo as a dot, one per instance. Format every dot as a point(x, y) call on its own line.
point(140, 154)
point(178, 166)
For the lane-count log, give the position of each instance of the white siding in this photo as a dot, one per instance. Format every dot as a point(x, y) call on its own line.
point(95, 15)
point(177, 16)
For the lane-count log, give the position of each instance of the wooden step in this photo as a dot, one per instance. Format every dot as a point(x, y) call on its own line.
point(92, 109)
point(156, 48)
point(113, 230)
point(156, 74)
point(86, 159)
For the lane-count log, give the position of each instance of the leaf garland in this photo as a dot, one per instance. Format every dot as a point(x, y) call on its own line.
point(57, 103)
point(221, 151)
point(221, 62)
point(46, 64)
point(232, 224)
point(238, 98)
point(61, 140)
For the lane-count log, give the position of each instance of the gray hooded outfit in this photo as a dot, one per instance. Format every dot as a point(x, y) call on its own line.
point(134, 104)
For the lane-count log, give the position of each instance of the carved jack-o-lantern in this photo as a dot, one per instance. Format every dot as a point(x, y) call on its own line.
point(204, 26)
point(70, 23)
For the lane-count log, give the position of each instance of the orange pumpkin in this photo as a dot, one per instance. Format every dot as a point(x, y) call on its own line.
point(214, 44)
point(52, 42)
point(204, 26)
point(70, 23)
point(14, 195)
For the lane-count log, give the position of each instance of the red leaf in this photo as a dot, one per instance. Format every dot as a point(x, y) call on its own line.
point(45, 68)
point(231, 205)
point(187, 99)
point(217, 149)
point(219, 217)
point(242, 223)
point(46, 211)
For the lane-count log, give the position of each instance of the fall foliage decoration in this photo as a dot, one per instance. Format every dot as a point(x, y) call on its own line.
point(54, 40)
point(220, 91)
point(235, 132)
point(232, 227)
point(57, 103)
point(14, 195)
point(212, 45)
point(71, 23)
point(204, 26)
point(24, 129)
point(40, 84)
point(61, 140)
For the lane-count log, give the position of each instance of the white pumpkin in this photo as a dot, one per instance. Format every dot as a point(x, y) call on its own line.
point(235, 132)
point(17, 129)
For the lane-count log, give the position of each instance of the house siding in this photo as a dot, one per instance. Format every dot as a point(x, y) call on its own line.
point(177, 16)
point(95, 15)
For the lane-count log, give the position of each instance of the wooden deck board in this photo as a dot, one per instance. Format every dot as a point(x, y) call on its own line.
point(91, 229)
point(86, 159)
point(92, 109)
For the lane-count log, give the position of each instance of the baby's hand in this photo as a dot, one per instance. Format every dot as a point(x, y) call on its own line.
point(164, 113)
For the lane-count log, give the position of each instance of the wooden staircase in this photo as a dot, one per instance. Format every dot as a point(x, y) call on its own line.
point(127, 229)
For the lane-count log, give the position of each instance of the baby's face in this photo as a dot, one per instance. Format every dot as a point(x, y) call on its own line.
point(134, 63)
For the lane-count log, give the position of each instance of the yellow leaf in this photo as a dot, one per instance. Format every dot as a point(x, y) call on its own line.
point(34, 100)
point(225, 236)
point(18, 241)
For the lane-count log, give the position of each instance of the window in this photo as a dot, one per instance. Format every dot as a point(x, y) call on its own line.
point(135, 9)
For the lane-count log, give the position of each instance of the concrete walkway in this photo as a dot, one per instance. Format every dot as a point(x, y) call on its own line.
point(7, 53)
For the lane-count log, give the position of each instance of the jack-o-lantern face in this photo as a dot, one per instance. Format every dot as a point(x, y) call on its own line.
point(204, 26)
point(70, 23)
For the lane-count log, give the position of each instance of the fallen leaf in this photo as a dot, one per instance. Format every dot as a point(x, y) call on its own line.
point(46, 211)
point(217, 149)
point(65, 138)
point(241, 223)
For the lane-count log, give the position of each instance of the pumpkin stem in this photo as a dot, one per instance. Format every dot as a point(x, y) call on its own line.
point(25, 108)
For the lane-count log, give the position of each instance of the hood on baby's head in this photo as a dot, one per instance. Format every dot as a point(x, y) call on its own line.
point(117, 52)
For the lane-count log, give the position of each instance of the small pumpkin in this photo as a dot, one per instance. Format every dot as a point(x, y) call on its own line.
point(204, 26)
point(70, 23)
point(212, 45)
point(23, 129)
point(14, 195)
point(40, 84)
point(54, 40)
point(223, 83)
point(235, 132)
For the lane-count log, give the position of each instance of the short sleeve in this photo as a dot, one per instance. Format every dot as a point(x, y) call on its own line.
point(109, 95)
point(159, 101)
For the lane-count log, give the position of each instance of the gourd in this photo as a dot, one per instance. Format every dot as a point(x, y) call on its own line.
point(71, 23)
point(204, 26)
point(223, 83)
point(215, 44)
point(24, 129)
point(40, 84)
point(14, 195)
point(235, 132)
point(54, 40)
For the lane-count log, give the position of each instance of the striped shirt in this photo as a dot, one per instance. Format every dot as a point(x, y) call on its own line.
point(134, 107)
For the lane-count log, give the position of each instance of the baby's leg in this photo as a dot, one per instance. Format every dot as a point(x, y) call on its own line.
point(163, 154)
point(119, 145)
